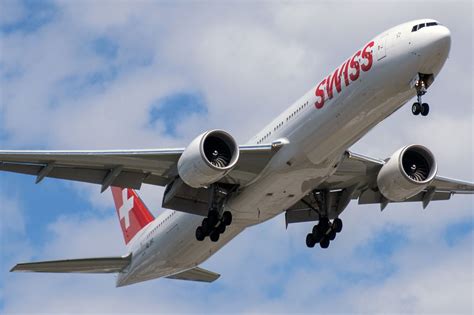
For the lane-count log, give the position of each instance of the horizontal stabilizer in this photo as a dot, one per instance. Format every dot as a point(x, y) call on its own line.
point(196, 274)
point(85, 265)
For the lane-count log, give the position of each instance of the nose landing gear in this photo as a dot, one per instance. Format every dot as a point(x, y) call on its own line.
point(419, 107)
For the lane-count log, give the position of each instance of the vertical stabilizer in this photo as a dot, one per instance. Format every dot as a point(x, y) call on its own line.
point(132, 213)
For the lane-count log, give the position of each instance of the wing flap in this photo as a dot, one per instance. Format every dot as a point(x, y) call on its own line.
point(196, 274)
point(370, 197)
point(84, 265)
point(300, 215)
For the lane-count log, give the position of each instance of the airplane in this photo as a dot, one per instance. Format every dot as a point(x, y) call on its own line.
point(299, 164)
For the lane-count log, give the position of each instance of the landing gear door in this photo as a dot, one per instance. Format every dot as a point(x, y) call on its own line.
point(382, 47)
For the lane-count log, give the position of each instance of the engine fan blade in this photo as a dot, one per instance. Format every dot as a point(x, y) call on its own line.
point(219, 160)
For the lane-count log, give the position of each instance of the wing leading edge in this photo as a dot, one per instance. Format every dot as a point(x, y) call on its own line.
point(125, 168)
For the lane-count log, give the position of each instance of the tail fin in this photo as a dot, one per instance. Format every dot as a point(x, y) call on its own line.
point(132, 212)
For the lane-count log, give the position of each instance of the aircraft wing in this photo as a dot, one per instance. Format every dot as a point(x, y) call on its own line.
point(125, 168)
point(85, 265)
point(356, 178)
point(365, 168)
point(196, 274)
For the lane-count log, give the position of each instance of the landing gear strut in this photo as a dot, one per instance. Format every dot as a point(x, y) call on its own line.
point(419, 107)
point(215, 224)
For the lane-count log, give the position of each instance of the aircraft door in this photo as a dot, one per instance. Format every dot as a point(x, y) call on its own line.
point(382, 47)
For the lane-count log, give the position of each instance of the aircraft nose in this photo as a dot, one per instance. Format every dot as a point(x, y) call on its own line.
point(434, 44)
point(440, 38)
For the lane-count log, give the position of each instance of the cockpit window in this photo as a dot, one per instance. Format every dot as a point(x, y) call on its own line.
point(420, 26)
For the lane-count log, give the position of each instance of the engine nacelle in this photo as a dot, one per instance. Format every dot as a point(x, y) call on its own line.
point(208, 158)
point(408, 171)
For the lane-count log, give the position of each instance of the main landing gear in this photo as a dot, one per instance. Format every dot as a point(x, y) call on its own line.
point(324, 232)
point(419, 107)
point(215, 223)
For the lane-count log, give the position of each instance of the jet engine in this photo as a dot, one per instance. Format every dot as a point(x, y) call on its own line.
point(408, 172)
point(208, 158)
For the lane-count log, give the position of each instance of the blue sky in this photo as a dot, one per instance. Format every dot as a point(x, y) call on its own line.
point(79, 75)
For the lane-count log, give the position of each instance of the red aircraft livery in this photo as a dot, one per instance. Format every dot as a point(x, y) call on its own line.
point(349, 75)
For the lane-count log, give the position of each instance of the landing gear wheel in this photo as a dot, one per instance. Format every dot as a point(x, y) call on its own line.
point(200, 235)
point(425, 109)
point(416, 108)
point(331, 235)
point(323, 225)
point(317, 234)
point(227, 218)
point(214, 236)
point(310, 240)
point(221, 228)
point(213, 218)
point(324, 242)
point(205, 226)
point(337, 225)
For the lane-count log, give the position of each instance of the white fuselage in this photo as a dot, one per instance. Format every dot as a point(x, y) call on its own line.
point(319, 129)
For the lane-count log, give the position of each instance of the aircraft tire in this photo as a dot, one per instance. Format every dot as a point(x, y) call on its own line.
point(317, 234)
point(425, 109)
point(416, 108)
point(221, 228)
point(337, 225)
point(323, 224)
point(213, 218)
point(214, 236)
point(206, 227)
point(200, 235)
point(324, 242)
point(227, 218)
point(310, 240)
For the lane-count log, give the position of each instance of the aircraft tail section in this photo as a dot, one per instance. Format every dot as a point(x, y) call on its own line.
point(132, 212)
